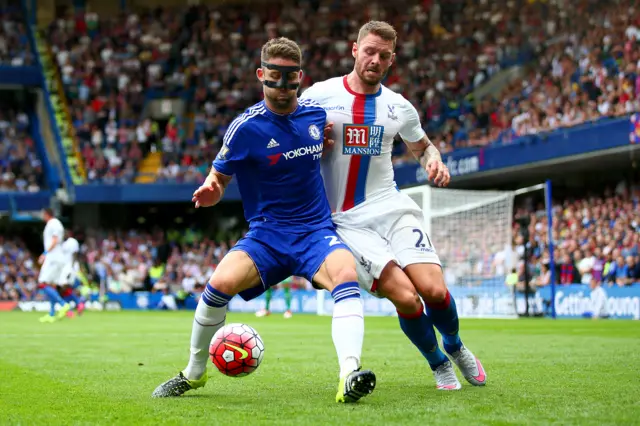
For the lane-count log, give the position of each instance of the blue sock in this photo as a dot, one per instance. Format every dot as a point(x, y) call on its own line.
point(214, 298)
point(74, 298)
point(54, 297)
point(345, 291)
point(444, 316)
point(419, 330)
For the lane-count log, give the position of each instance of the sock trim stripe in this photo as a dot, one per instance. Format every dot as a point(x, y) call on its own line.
point(344, 286)
point(211, 325)
point(340, 293)
point(348, 316)
point(217, 292)
point(345, 293)
point(214, 297)
point(442, 305)
point(352, 296)
point(415, 315)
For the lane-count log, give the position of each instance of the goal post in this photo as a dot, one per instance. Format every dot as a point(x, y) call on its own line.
point(472, 234)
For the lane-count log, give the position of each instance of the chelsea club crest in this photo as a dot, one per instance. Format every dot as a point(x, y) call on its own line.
point(314, 132)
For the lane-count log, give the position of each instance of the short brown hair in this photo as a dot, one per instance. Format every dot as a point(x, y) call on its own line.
point(282, 48)
point(382, 29)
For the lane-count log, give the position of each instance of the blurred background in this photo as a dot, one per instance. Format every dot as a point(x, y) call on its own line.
point(112, 111)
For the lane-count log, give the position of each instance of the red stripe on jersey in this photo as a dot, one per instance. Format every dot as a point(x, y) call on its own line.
point(354, 162)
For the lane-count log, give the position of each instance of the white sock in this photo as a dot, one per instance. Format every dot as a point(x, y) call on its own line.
point(347, 330)
point(207, 321)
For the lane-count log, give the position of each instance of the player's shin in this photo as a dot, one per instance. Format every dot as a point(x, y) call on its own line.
point(445, 318)
point(287, 297)
point(419, 329)
point(54, 297)
point(209, 317)
point(347, 328)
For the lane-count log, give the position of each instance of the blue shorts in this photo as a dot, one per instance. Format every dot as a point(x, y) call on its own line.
point(279, 254)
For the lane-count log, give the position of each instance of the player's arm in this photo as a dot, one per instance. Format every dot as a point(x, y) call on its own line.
point(421, 147)
point(212, 190)
point(54, 242)
point(232, 153)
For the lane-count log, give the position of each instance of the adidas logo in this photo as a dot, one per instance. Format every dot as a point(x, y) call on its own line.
point(272, 143)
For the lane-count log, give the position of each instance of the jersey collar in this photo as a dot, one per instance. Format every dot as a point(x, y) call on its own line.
point(275, 115)
point(346, 86)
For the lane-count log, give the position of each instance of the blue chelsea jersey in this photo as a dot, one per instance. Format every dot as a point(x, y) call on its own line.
point(276, 160)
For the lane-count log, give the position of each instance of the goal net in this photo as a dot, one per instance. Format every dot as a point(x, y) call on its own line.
point(471, 231)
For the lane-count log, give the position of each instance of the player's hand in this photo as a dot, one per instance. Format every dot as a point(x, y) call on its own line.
point(328, 141)
point(207, 195)
point(438, 173)
point(41, 259)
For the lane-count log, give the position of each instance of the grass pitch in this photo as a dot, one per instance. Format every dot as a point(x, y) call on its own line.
point(102, 368)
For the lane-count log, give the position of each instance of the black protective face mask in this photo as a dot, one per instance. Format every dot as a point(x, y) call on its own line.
point(283, 83)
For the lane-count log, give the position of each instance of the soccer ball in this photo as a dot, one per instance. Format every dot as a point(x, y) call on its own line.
point(236, 350)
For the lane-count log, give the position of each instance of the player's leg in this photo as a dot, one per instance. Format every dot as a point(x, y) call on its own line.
point(416, 325)
point(49, 276)
point(379, 274)
point(329, 264)
point(286, 289)
point(417, 256)
point(267, 304)
point(235, 273)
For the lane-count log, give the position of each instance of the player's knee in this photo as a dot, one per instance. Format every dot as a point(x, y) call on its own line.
point(434, 290)
point(396, 286)
point(407, 302)
point(345, 274)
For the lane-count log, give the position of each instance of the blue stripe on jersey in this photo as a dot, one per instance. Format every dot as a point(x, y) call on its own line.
point(361, 183)
point(235, 124)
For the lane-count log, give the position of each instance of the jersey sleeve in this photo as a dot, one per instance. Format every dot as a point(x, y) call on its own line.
point(313, 93)
point(57, 230)
point(411, 131)
point(233, 151)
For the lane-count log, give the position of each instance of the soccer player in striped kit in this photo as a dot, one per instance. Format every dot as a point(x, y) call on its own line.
point(383, 227)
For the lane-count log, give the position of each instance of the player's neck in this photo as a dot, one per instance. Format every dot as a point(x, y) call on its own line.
point(281, 111)
point(358, 86)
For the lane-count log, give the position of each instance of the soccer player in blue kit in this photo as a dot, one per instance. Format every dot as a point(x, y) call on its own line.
point(274, 150)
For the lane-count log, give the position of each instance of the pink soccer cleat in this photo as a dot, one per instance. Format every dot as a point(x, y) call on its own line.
point(446, 377)
point(470, 366)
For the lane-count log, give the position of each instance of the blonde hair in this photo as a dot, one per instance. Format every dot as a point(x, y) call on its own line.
point(282, 48)
point(382, 29)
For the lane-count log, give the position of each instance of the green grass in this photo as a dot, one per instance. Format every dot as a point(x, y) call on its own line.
point(102, 368)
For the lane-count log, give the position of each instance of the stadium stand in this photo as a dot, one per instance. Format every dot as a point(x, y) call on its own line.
point(18, 271)
point(20, 167)
point(108, 65)
point(14, 42)
point(597, 241)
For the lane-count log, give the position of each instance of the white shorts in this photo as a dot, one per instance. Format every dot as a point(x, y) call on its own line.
point(387, 228)
point(50, 271)
point(68, 275)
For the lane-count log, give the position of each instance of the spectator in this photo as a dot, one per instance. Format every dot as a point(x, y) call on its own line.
point(20, 167)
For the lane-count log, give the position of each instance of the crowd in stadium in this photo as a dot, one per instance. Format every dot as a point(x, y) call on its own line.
point(597, 242)
point(15, 49)
point(576, 71)
point(20, 165)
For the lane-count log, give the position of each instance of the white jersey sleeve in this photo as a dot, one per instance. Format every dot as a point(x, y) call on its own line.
point(412, 130)
point(52, 229)
point(70, 247)
point(315, 93)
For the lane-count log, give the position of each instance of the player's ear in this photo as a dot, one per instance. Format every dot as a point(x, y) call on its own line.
point(393, 59)
point(300, 74)
point(260, 74)
point(354, 49)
